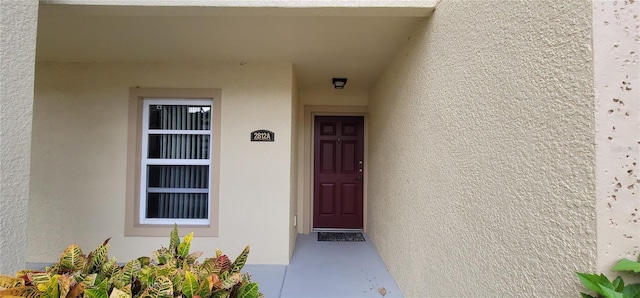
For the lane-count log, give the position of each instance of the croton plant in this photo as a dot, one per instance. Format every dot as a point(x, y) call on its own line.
point(169, 272)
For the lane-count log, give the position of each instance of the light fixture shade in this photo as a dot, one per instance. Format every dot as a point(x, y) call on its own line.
point(339, 83)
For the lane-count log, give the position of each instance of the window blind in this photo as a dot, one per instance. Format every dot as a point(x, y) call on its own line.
point(178, 161)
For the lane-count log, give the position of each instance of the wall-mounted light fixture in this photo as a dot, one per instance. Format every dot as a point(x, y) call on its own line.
point(339, 83)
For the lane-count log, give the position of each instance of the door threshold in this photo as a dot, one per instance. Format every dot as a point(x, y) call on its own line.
point(336, 230)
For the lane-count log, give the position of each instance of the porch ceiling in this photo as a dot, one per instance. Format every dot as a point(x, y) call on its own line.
point(352, 42)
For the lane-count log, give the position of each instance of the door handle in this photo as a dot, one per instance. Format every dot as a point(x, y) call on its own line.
point(359, 178)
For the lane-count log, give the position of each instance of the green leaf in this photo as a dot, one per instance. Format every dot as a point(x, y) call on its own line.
point(626, 265)
point(118, 294)
point(586, 295)
point(248, 290)
point(127, 289)
point(40, 278)
point(631, 291)
point(231, 281)
point(221, 294)
point(174, 240)
point(95, 293)
point(618, 284)
point(98, 257)
point(22, 291)
point(98, 292)
point(610, 293)
point(52, 290)
point(177, 281)
point(147, 276)
point(190, 285)
point(163, 287)
point(209, 266)
point(10, 282)
point(593, 281)
point(193, 257)
point(89, 280)
point(64, 285)
point(162, 256)
point(205, 288)
point(71, 258)
point(183, 248)
point(144, 261)
point(110, 268)
point(240, 261)
point(130, 271)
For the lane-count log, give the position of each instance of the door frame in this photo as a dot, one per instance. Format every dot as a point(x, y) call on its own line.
point(310, 112)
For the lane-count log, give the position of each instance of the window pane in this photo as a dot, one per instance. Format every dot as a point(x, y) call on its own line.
point(177, 141)
point(178, 146)
point(183, 176)
point(177, 205)
point(179, 117)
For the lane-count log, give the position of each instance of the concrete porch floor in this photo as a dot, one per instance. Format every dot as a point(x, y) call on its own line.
point(326, 269)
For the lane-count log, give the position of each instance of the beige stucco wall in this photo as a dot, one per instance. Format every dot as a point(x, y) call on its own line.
point(482, 152)
point(79, 157)
point(616, 47)
point(334, 97)
point(17, 57)
point(293, 204)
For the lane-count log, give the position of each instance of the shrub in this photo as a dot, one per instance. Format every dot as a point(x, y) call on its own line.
point(603, 287)
point(168, 272)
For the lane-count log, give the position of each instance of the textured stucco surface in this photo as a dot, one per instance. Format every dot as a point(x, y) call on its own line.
point(616, 34)
point(293, 204)
point(17, 58)
point(482, 152)
point(79, 157)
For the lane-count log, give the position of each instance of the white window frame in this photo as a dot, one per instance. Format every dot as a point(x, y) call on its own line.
point(145, 161)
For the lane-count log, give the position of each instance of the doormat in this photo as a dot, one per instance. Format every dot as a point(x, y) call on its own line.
point(342, 237)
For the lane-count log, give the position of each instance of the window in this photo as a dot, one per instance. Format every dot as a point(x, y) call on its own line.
point(176, 162)
point(174, 137)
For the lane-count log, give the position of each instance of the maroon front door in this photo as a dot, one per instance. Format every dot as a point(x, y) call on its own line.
point(338, 172)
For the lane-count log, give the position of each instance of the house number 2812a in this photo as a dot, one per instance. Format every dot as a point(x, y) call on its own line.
point(262, 136)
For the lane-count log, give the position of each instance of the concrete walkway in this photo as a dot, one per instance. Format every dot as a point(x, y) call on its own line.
point(326, 269)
